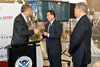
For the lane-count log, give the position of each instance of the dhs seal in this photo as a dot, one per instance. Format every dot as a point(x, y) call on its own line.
point(23, 61)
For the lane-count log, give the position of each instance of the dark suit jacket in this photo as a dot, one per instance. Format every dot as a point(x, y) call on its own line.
point(20, 30)
point(53, 42)
point(80, 42)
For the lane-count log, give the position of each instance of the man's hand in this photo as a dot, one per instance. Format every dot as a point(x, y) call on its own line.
point(45, 33)
point(36, 31)
point(68, 52)
point(40, 36)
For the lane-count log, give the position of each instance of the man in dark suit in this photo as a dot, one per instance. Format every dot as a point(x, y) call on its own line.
point(53, 32)
point(20, 29)
point(80, 40)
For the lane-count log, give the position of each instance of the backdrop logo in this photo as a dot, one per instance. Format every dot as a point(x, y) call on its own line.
point(5, 36)
point(1, 47)
point(6, 17)
point(23, 61)
point(2, 56)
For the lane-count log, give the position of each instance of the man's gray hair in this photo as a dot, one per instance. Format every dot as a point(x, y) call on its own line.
point(25, 7)
point(83, 6)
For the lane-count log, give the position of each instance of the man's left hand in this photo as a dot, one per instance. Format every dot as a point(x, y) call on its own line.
point(45, 33)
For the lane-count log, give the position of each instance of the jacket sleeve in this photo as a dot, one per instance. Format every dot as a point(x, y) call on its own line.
point(21, 29)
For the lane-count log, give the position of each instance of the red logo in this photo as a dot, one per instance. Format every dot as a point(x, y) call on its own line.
point(7, 17)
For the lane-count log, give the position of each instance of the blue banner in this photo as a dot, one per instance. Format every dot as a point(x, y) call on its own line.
point(33, 3)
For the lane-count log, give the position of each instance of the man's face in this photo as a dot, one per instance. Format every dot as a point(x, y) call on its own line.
point(76, 11)
point(28, 12)
point(49, 17)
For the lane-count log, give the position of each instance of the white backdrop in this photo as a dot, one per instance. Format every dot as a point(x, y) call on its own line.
point(8, 12)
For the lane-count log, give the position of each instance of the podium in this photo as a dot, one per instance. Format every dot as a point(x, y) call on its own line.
point(22, 54)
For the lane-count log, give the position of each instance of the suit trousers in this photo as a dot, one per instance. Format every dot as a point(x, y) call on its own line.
point(76, 65)
point(54, 59)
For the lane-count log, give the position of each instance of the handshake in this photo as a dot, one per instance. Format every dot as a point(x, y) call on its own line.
point(37, 31)
point(42, 35)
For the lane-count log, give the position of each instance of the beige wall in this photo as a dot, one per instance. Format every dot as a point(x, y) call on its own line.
point(94, 4)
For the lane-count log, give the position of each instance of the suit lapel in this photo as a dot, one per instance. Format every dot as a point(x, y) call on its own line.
point(46, 29)
point(78, 23)
point(24, 22)
point(54, 23)
point(52, 27)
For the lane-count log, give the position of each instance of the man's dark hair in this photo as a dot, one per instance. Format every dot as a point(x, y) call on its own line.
point(25, 7)
point(51, 12)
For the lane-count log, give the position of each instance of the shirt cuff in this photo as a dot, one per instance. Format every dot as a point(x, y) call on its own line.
point(48, 34)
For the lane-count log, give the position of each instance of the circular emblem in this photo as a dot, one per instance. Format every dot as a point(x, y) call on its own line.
point(23, 61)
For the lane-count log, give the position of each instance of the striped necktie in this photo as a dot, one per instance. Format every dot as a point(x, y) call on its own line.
point(49, 26)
